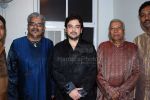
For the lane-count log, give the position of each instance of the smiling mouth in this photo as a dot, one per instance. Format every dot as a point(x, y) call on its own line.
point(73, 34)
point(147, 22)
point(34, 31)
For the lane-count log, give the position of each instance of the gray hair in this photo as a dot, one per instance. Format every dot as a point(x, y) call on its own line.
point(117, 20)
point(36, 14)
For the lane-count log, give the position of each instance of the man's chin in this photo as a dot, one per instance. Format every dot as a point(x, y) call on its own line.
point(146, 29)
point(73, 38)
point(76, 38)
point(35, 36)
point(147, 26)
point(117, 39)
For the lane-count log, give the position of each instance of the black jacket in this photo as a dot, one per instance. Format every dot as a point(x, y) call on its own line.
point(74, 69)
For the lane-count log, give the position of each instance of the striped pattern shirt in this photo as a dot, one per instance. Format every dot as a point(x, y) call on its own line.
point(118, 70)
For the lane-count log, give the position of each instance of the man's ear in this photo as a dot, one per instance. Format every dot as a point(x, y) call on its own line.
point(27, 26)
point(44, 29)
point(139, 17)
point(81, 30)
point(65, 30)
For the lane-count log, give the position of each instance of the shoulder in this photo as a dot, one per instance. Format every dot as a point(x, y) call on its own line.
point(131, 45)
point(104, 44)
point(86, 47)
point(20, 39)
point(60, 44)
point(86, 44)
point(18, 43)
point(60, 48)
point(139, 37)
point(47, 40)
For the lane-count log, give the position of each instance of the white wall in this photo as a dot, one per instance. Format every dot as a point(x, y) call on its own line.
point(127, 10)
point(105, 14)
point(16, 19)
point(17, 11)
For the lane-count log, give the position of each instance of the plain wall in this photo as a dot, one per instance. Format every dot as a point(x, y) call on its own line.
point(16, 19)
point(127, 11)
point(17, 11)
point(105, 14)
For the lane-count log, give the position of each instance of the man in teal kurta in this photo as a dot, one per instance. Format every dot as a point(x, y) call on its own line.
point(29, 63)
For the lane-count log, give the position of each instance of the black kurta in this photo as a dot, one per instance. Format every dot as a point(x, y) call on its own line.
point(76, 66)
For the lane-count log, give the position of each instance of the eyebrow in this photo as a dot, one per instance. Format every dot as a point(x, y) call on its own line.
point(35, 22)
point(144, 11)
point(72, 25)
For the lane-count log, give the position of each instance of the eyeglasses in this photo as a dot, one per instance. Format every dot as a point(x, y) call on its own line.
point(117, 28)
point(36, 24)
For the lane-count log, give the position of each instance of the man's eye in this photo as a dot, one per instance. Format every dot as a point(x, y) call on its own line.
point(69, 26)
point(1, 27)
point(142, 15)
point(36, 24)
point(77, 26)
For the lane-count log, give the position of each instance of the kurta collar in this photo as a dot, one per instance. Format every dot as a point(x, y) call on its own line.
point(148, 35)
point(37, 45)
point(121, 45)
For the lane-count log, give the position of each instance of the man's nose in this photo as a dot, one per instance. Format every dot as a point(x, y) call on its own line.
point(73, 28)
point(147, 16)
point(115, 29)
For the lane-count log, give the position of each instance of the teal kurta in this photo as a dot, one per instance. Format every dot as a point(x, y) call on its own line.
point(28, 69)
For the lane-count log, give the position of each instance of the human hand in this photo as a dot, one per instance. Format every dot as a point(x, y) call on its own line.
point(115, 95)
point(52, 97)
point(74, 94)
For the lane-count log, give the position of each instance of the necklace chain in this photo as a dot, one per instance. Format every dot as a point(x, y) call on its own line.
point(35, 43)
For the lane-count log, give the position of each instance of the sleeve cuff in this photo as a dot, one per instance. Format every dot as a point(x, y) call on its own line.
point(83, 92)
point(69, 87)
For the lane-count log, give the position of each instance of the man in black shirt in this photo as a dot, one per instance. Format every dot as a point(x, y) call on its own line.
point(74, 64)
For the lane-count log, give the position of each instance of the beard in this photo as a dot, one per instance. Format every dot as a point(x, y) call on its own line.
point(73, 38)
point(35, 34)
point(146, 25)
point(2, 38)
point(34, 30)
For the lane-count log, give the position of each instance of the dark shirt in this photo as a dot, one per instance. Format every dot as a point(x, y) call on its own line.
point(74, 67)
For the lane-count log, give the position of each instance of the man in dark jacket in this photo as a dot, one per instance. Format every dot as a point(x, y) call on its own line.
point(74, 64)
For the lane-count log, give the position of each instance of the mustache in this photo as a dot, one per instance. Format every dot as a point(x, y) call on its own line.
point(34, 29)
point(75, 38)
point(73, 32)
point(146, 21)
